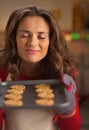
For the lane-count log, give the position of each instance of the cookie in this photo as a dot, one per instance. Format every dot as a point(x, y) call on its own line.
point(43, 86)
point(15, 91)
point(12, 96)
point(47, 102)
point(46, 95)
point(18, 86)
point(13, 102)
point(40, 90)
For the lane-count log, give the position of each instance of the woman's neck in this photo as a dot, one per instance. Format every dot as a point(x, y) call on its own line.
point(31, 69)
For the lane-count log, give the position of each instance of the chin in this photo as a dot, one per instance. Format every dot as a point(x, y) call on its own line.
point(33, 61)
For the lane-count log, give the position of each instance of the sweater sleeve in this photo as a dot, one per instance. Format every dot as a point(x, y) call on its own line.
point(3, 75)
point(71, 123)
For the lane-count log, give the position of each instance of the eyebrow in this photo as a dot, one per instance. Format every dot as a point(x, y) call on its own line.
point(23, 31)
point(30, 32)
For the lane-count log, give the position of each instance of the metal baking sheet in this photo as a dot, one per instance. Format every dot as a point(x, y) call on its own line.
point(29, 95)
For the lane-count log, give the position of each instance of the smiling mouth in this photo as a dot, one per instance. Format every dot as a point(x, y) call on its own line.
point(31, 51)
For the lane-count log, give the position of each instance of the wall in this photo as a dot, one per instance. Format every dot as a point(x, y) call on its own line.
point(6, 7)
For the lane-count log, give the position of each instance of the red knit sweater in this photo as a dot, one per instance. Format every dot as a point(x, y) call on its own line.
point(72, 123)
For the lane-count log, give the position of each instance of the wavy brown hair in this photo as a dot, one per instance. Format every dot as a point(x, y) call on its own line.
point(59, 56)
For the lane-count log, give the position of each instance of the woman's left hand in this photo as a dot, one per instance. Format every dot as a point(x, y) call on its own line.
point(70, 89)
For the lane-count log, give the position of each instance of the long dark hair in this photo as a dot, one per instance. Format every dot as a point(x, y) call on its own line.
point(59, 56)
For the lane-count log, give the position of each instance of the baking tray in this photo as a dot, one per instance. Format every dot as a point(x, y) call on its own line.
point(29, 95)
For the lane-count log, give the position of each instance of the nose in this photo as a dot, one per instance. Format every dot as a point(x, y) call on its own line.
point(33, 41)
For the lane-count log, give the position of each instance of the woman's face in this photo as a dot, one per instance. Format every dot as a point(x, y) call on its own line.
point(32, 39)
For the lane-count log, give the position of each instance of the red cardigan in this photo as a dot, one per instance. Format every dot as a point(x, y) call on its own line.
point(71, 123)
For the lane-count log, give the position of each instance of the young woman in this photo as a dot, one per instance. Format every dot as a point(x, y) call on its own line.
point(36, 49)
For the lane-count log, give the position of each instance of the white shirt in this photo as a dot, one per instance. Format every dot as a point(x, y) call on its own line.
point(29, 119)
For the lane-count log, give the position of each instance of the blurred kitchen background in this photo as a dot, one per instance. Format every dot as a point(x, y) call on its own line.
point(73, 16)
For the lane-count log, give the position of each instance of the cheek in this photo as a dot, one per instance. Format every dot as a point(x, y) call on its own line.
point(45, 51)
point(20, 45)
point(20, 49)
point(45, 48)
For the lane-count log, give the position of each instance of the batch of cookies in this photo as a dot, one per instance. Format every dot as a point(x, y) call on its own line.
point(45, 94)
point(13, 96)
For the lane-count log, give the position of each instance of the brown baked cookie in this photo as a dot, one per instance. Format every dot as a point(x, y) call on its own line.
point(46, 95)
point(13, 102)
point(18, 86)
point(13, 97)
point(41, 90)
point(15, 91)
point(46, 102)
point(43, 86)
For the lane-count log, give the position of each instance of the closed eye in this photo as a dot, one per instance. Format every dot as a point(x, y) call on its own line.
point(24, 36)
point(42, 35)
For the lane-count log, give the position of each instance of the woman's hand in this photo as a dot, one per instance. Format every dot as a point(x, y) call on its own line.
point(70, 89)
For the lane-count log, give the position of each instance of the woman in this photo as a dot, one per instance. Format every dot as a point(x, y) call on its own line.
point(36, 49)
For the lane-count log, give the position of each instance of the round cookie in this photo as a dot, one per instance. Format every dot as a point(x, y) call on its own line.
point(13, 102)
point(46, 95)
point(13, 97)
point(41, 90)
point(47, 102)
point(43, 86)
point(15, 91)
point(18, 86)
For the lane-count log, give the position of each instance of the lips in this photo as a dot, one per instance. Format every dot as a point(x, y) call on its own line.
point(32, 51)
